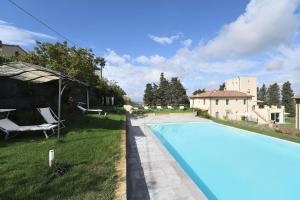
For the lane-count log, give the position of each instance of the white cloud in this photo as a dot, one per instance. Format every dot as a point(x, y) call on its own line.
point(265, 24)
point(266, 29)
point(11, 34)
point(187, 42)
point(273, 65)
point(133, 74)
point(284, 65)
point(155, 59)
point(113, 58)
point(164, 39)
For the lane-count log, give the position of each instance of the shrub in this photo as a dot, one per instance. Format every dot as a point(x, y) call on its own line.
point(243, 118)
point(202, 113)
point(141, 111)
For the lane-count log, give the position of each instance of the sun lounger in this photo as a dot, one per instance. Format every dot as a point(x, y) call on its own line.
point(49, 116)
point(7, 126)
point(181, 107)
point(146, 107)
point(170, 107)
point(84, 110)
point(158, 107)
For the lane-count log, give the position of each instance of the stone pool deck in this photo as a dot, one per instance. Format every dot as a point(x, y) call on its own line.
point(152, 172)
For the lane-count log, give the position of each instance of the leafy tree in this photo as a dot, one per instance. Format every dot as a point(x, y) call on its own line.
point(80, 63)
point(273, 95)
point(100, 61)
point(163, 90)
point(287, 100)
point(177, 92)
point(222, 87)
point(199, 91)
point(148, 96)
point(155, 94)
point(166, 93)
point(116, 91)
point(262, 94)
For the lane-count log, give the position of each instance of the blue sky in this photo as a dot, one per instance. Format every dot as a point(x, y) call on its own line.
point(201, 42)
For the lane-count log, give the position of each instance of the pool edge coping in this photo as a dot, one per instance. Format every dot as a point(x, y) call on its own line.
point(196, 191)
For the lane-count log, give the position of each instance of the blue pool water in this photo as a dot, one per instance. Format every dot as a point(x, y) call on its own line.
point(228, 163)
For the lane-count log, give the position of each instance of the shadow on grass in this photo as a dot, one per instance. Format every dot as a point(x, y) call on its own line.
point(89, 151)
point(76, 122)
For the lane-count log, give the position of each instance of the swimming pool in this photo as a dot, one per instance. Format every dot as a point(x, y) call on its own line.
point(228, 163)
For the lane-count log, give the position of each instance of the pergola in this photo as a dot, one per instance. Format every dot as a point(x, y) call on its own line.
point(36, 74)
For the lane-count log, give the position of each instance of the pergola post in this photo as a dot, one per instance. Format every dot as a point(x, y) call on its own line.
point(87, 98)
point(59, 106)
point(37, 74)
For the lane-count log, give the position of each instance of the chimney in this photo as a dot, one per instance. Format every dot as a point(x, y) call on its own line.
point(0, 44)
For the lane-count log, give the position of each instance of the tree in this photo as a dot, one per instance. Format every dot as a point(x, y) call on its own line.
point(155, 95)
point(172, 96)
point(166, 93)
point(80, 63)
point(222, 87)
point(199, 91)
point(287, 100)
point(148, 95)
point(273, 95)
point(262, 94)
point(100, 61)
point(163, 90)
point(177, 92)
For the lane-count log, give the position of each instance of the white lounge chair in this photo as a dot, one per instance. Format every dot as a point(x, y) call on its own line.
point(146, 107)
point(7, 126)
point(158, 107)
point(49, 116)
point(84, 110)
point(181, 107)
point(170, 107)
point(135, 108)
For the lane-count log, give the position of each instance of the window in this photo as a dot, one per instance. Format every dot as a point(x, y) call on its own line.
point(203, 101)
point(275, 117)
point(217, 114)
point(217, 101)
point(245, 101)
point(227, 101)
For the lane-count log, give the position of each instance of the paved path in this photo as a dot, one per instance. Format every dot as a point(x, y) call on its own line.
point(152, 171)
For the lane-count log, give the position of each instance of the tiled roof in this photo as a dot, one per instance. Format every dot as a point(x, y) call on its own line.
point(297, 96)
point(219, 93)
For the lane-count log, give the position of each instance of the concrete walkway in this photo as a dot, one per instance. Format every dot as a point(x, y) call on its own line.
point(152, 171)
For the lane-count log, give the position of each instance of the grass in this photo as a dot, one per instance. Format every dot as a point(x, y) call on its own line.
point(261, 129)
point(85, 161)
point(290, 122)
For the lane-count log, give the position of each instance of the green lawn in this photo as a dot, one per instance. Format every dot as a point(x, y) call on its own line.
point(87, 156)
point(261, 129)
point(290, 122)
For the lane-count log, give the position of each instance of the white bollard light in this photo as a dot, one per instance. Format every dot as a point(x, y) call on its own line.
point(51, 157)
